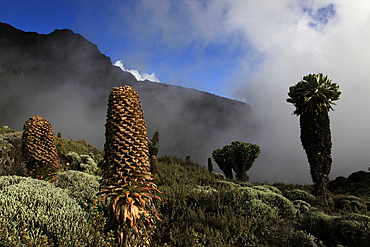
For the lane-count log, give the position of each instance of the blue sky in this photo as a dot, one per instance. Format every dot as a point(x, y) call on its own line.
point(199, 44)
point(175, 53)
point(242, 49)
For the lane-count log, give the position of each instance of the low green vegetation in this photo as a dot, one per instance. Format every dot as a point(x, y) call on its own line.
point(65, 146)
point(5, 130)
point(198, 209)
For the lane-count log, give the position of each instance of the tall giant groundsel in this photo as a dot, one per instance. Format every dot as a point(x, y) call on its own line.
point(127, 178)
point(312, 98)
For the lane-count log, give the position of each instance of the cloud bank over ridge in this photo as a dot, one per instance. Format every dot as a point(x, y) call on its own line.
point(275, 44)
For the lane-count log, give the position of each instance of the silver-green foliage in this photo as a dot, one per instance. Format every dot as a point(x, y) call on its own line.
point(82, 162)
point(267, 188)
point(352, 204)
point(300, 195)
point(267, 196)
point(79, 185)
point(5, 129)
point(262, 205)
point(41, 209)
point(347, 230)
point(303, 239)
point(261, 214)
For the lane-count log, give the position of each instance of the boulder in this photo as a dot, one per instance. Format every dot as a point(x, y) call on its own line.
point(359, 176)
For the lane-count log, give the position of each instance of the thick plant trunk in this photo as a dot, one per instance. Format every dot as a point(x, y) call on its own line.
point(241, 166)
point(240, 169)
point(316, 141)
point(225, 167)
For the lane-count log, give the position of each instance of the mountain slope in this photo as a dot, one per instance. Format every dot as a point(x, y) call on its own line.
point(64, 78)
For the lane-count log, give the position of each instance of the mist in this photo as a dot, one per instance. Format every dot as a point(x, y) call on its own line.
point(278, 42)
point(335, 45)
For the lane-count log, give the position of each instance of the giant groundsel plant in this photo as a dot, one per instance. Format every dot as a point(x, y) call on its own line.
point(127, 179)
point(313, 98)
point(38, 148)
point(238, 156)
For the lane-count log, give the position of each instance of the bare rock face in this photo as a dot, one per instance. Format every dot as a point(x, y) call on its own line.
point(357, 184)
point(359, 176)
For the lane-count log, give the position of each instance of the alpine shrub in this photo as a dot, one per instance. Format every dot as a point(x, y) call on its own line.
point(34, 209)
point(79, 185)
point(348, 230)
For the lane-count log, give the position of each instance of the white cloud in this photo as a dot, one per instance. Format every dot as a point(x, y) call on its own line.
point(294, 38)
point(139, 76)
point(331, 38)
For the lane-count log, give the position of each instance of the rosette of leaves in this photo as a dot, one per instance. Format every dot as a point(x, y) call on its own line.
point(126, 172)
point(38, 149)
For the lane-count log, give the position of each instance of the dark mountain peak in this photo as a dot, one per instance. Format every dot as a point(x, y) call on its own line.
point(65, 40)
point(12, 37)
point(61, 44)
point(66, 33)
point(64, 78)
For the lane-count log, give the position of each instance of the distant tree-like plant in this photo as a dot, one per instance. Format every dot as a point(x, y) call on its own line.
point(210, 165)
point(237, 156)
point(313, 97)
point(153, 164)
point(126, 172)
point(153, 145)
point(38, 148)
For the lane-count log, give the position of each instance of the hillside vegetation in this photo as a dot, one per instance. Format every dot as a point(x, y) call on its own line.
point(198, 209)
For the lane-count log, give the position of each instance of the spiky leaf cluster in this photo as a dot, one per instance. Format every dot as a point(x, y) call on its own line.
point(38, 148)
point(315, 92)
